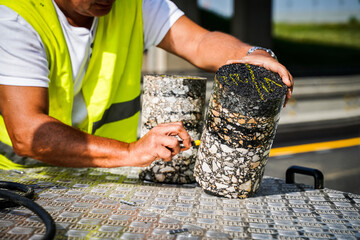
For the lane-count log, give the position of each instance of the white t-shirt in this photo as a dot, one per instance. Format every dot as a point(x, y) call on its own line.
point(23, 60)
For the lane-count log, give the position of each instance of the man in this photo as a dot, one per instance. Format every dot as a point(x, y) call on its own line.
point(70, 78)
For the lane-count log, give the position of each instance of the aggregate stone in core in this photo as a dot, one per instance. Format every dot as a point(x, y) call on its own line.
point(241, 122)
point(171, 98)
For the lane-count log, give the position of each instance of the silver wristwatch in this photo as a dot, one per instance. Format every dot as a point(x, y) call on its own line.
point(272, 54)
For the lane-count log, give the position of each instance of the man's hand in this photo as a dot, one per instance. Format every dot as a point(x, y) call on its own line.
point(263, 59)
point(159, 143)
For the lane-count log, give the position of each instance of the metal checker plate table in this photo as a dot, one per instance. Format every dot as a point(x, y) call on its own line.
point(115, 204)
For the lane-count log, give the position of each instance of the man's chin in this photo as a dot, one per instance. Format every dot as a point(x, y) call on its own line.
point(101, 9)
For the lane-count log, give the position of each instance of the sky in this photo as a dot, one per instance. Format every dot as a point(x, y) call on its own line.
point(297, 10)
point(222, 7)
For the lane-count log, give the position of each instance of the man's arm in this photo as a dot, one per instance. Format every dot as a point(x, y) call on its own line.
point(37, 135)
point(210, 50)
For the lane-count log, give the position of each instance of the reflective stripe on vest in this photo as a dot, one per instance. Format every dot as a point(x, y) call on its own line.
point(117, 112)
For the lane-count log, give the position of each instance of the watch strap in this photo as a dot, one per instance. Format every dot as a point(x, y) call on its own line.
point(253, 49)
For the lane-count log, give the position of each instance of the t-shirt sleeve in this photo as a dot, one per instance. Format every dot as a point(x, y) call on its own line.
point(158, 17)
point(23, 60)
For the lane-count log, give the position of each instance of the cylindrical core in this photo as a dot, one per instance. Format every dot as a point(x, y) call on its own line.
point(240, 126)
point(172, 98)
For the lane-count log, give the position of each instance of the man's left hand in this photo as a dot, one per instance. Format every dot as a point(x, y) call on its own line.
point(263, 59)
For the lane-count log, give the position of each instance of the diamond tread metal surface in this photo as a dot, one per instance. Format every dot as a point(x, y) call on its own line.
point(115, 204)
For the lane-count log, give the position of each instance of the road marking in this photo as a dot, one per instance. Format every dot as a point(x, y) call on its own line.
point(313, 147)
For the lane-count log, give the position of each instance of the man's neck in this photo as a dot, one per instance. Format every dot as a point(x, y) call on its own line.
point(74, 18)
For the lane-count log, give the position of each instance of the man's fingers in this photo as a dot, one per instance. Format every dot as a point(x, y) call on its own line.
point(161, 142)
point(271, 65)
point(233, 61)
point(292, 81)
point(186, 141)
point(172, 144)
point(176, 129)
point(167, 142)
point(165, 154)
point(288, 96)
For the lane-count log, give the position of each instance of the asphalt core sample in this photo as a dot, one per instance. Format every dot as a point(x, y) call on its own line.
point(172, 98)
point(241, 122)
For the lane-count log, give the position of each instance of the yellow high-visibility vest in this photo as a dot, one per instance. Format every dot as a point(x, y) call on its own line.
point(111, 85)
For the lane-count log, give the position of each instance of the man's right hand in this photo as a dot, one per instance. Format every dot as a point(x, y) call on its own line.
point(159, 143)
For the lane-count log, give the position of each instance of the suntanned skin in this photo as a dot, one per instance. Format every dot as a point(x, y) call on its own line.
point(35, 134)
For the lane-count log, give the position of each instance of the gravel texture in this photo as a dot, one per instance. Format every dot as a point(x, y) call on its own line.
point(171, 98)
point(240, 126)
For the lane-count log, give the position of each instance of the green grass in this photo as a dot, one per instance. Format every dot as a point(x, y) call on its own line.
point(325, 49)
point(327, 34)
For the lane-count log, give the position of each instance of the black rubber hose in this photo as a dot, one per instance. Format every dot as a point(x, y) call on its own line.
point(34, 207)
point(27, 191)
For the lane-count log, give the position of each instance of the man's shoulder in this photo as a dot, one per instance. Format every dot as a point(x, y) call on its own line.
point(13, 21)
point(7, 14)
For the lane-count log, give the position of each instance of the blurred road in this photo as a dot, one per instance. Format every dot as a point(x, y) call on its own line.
point(325, 113)
point(340, 166)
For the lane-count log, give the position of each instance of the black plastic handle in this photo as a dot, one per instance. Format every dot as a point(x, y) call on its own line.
point(318, 176)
